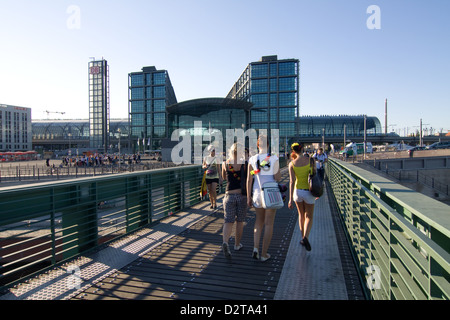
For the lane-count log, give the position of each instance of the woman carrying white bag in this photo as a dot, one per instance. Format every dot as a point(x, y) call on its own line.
point(263, 168)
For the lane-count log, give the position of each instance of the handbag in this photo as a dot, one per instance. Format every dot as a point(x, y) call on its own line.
point(315, 184)
point(283, 188)
point(211, 171)
point(271, 194)
point(203, 188)
point(244, 171)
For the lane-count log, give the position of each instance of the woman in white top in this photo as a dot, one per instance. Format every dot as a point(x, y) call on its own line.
point(263, 168)
point(211, 164)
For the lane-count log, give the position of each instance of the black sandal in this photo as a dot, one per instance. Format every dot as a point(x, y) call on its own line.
point(307, 244)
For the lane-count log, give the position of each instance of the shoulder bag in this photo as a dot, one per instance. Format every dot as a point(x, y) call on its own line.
point(315, 183)
point(271, 195)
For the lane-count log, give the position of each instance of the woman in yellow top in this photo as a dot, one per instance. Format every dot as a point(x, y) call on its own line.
point(299, 169)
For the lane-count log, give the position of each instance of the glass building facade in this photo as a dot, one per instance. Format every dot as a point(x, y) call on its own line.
point(149, 93)
point(99, 104)
point(209, 119)
point(272, 86)
point(63, 134)
point(335, 126)
point(213, 113)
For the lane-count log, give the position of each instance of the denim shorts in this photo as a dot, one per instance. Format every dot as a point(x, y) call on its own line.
point(257, 198)
point(301, 195)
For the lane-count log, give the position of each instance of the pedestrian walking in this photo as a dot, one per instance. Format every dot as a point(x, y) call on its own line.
point(263, 167)
point(321, 158)
point(299, 169)
point(211, 164)
point(234, 171)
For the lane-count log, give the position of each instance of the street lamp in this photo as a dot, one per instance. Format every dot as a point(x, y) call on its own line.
point(345, 134)
point(323, 138)
point(365, 135)
point(70, 150)
point(118, 130)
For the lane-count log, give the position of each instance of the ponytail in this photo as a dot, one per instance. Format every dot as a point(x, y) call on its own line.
point(296, 150)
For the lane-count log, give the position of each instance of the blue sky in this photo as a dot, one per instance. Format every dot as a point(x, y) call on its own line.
point(346, 68)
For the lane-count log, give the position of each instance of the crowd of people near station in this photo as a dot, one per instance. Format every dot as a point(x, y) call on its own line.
point(98, 160)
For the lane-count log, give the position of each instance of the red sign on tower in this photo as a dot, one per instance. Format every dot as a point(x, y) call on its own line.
point(95, 70)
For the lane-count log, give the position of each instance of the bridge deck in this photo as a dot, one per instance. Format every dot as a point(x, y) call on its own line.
point(181, 258)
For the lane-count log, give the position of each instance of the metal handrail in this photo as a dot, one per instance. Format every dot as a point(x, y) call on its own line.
point(402, 252)
point(46, 224)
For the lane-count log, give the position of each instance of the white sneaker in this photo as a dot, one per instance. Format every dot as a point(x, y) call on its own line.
point(238, 247)
point(265, 259)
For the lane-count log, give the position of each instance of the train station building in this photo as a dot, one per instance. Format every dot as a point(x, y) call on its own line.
point(265, 96)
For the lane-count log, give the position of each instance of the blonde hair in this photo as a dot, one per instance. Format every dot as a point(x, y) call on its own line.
point(233, 151)
point(262, 142)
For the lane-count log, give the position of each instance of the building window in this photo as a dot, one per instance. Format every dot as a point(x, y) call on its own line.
point(148, 79)
point(159, 92)
point(159, 118)
point(137, 93)
point(273, 70)
point(273, 99)
point(159, 132)
point(259, 85)
point(159, 78)
point(259, 115)
point(259, 71)
point(137, 131)
point(137, 106)
point(287, 99)
point(259, 100)
point(273, 85)
point(287, 114)
point(287, 69)
point(273, 115)
point(137, 80)
point(149, 92)
point(287, 129)
point(159, 105)
point(137, 119)
point(287, 84)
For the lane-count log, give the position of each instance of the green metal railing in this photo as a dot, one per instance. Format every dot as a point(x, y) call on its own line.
point(45, 224)
point(399, 238)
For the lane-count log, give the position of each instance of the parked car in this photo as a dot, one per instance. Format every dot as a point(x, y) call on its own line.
point(356, 148)
point(439, 145)
point(418, 148)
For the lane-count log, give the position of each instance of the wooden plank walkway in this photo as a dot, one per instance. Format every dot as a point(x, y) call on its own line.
point(192, 266)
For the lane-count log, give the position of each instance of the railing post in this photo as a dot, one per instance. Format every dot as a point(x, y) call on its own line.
point(52, 226)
